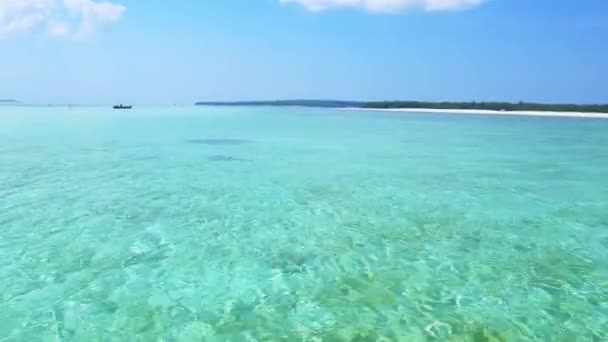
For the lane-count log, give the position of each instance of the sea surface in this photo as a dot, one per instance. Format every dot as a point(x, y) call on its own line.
point(295, 224)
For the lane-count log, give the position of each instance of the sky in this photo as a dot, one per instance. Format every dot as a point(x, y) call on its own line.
point(179, 52)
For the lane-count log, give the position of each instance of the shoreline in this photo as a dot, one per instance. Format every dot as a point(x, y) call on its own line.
point(486, 112)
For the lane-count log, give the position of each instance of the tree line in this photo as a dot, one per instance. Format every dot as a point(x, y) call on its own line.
point(498, 106)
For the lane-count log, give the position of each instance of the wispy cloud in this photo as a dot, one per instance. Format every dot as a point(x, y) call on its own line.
point(58, 29)
point(67, 18)
point(389, 6)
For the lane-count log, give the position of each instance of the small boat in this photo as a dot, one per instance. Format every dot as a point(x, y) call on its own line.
point(122, 107)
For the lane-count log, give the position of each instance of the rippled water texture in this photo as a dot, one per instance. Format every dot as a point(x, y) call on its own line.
point(215, 224)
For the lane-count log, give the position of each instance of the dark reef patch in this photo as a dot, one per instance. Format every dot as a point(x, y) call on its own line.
point(604, 242)
point(143, 158)
point(218, 141)
point(223, 158)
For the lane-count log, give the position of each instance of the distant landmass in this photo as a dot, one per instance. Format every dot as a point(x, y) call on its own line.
point(497, 106)
point(287, 103)
point(8, 101)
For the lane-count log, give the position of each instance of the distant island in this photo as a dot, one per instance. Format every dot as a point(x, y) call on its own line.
point(493, 106)
point(496, 106)
point(287, 103)
point(2, 101)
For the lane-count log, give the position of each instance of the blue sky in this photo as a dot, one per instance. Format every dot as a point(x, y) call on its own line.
point(162, 52)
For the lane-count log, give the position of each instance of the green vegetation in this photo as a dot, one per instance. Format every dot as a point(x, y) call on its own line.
point(500, 106)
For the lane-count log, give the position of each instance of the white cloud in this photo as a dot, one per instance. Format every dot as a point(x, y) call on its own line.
point(75, 18)
point(388, 6)
point(93, 13)
point(58, 29)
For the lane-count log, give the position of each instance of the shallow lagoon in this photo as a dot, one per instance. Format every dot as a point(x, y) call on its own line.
point(189, 224)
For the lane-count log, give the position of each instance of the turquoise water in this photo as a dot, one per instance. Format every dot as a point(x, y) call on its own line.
point(270, 224)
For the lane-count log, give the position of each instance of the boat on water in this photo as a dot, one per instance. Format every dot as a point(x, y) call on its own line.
point(122, 107)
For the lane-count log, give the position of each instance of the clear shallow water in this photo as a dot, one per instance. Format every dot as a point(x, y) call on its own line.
point(189, 224)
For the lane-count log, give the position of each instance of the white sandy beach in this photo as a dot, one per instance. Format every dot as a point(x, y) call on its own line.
point(487, 112)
